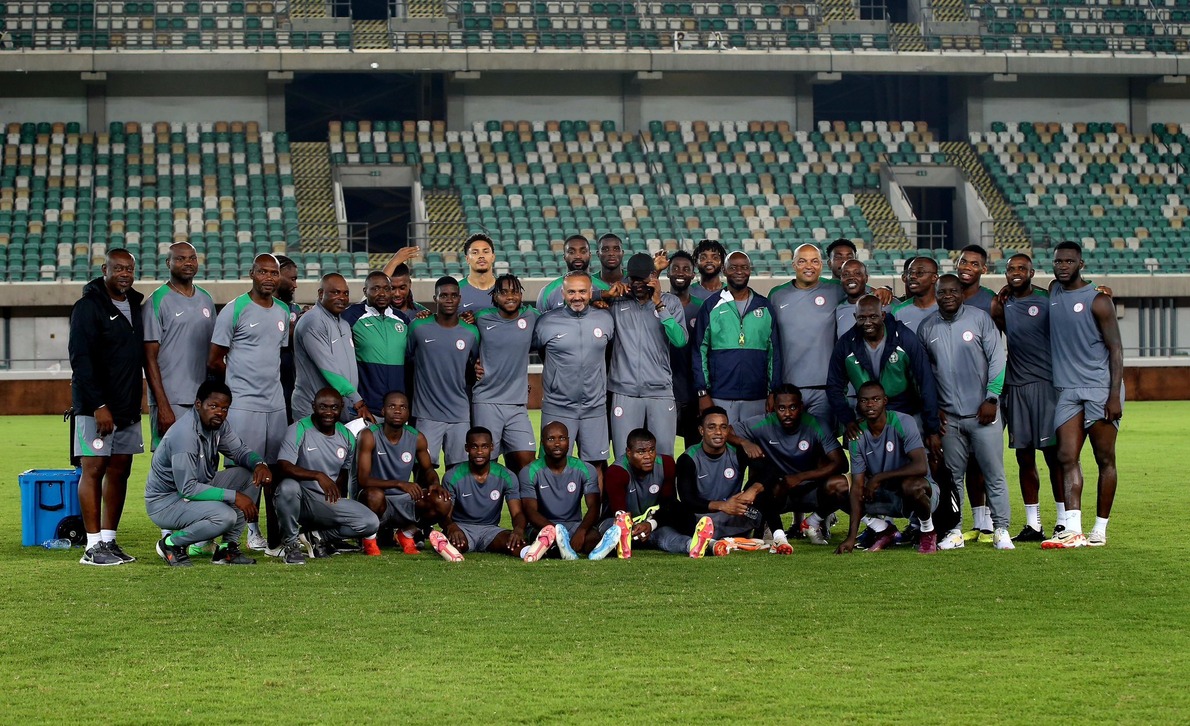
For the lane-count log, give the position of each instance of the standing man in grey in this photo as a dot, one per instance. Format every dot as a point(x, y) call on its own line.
point(179, 319)
point(921, 277)
point(324, 352)
point(246, 348)
point(1086, 352)
point(968, 359)
point(187, 495)
point(106, 359)
point(640, 380)
point(572, 341)
point(315, 460)
point(577, 256)
point(1029, 397)
point(443, 349)
point(500, 399)
point(804, 309)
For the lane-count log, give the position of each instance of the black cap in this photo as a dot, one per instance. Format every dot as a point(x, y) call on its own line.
point(640, 265)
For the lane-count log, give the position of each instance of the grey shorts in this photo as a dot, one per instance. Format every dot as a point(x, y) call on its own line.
point(399, 508)
point(1029, 413)
point(448, 438)
point(889, 502)
point(155, 433)
point(740, 409)
point(1087, 402)
point(127, 440)
point(509, 424)
point(816, 403)
point(261, 431)
point(480, 536)
point(588, 434)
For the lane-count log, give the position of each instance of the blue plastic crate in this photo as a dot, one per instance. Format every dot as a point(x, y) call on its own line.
point(47, 497)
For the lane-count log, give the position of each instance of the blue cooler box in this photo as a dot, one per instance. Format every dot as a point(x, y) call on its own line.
point(47, 497)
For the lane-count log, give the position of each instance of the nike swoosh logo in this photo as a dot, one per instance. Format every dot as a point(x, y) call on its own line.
point(369, 325)
point(867, 453)
point(381, 453)
point(466, 495)
point(467, 305)
point(559, 335)
point(253, 325)
point(114, 316)
point(430, 340)
point(934, 340)
point(670, 408)
point(774, 443)
point(311, 448)
point(336, 340)
point(603, 453)
point(703, 476)
point(545, 486)
point(488, 327)
point(784, 306)
point(178, 315)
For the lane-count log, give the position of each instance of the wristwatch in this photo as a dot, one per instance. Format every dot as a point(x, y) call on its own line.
point(701, 392)
point(992, 400)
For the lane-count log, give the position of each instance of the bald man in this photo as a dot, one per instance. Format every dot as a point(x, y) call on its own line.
point(179, 320)
point(324, 352)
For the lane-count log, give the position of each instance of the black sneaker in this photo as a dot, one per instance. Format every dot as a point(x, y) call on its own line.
point(175, 555)
point(866, 538)
point(323, 551)
point(343, 546)
point(100, 555)
point(229, 554)
point(908, 537)
point(1028, 534)
point(291, 554)
point(115, 550)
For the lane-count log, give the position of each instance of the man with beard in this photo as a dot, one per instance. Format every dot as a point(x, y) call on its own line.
point(325, 353)
point(381, 339)
point(443, 349)
point(185, 493)
point(577, 255)
point(572, 342)
point(106, 358)
point(250, 332)
point(921, 275)
point(476, 288)
point(640, 380)
point(179, 319)
point(709, 257)
point(681, 274)
point(611, 256)
point(500, 399)
point(737, 347)
point(554, 489)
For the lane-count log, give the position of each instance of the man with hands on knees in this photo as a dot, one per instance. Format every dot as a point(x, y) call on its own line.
point(185, 491)
point(315, 449)
point(480, 488)
point(889, 473)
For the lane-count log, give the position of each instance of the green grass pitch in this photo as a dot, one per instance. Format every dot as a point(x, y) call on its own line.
point(975, 636)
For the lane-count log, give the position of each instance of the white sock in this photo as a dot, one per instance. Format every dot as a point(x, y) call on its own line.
point(1033, 516)
point(866, 521)
point(982, 517)
point(166, 532)
point(878, 524)
point(254, 528)
point(1074, 521)
point(373, 538)
point(409, 532)
point(779, 537)
point(524, 551)
point(107, 535)
point(93, 539)
point(1061, 521)
point(1100, 526)
point(927, 524)
point(813, 520)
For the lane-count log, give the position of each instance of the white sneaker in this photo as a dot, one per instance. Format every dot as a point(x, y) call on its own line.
point(1001, 540)
point(952, 541)
point(257, 542)
point(815, 535)
point(1096, 539)
point(275, 551)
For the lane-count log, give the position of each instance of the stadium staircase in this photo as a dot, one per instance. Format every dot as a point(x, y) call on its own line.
point(887, 233)
point(444, 212)
point(425, 9)
point(315, 196)
point(907, 37)
point(1007, 232)
point(370, 35)
point(949, 11)
point(307, 9)
point(837, 10)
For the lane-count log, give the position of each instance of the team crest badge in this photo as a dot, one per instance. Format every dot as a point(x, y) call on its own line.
point(206, 312)
point(1034, 311)
point(1078, 307)
point(968, 336)
point(729, 473)
point(598, 332)
point(803, 446)
point(571, 487)
point(522, 324)
point(654, 489)
point(888, 446)
point(281, 326)
point(494, 495)
point(618, 411)
point(97, 444)
point(893, 357)
point(459, 344)
point(406, 457)
point(758, 312)
point(341, 452)
point(820, 301)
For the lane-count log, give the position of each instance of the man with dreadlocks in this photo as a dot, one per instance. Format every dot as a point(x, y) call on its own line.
point(500, 400)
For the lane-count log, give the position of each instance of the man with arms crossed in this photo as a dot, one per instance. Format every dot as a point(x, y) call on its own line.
point(179, 319)
point(106, 359)
point(317, 448)
point(500, 399)
point(187, 495)
point(1086, 353)
point(889, 473)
